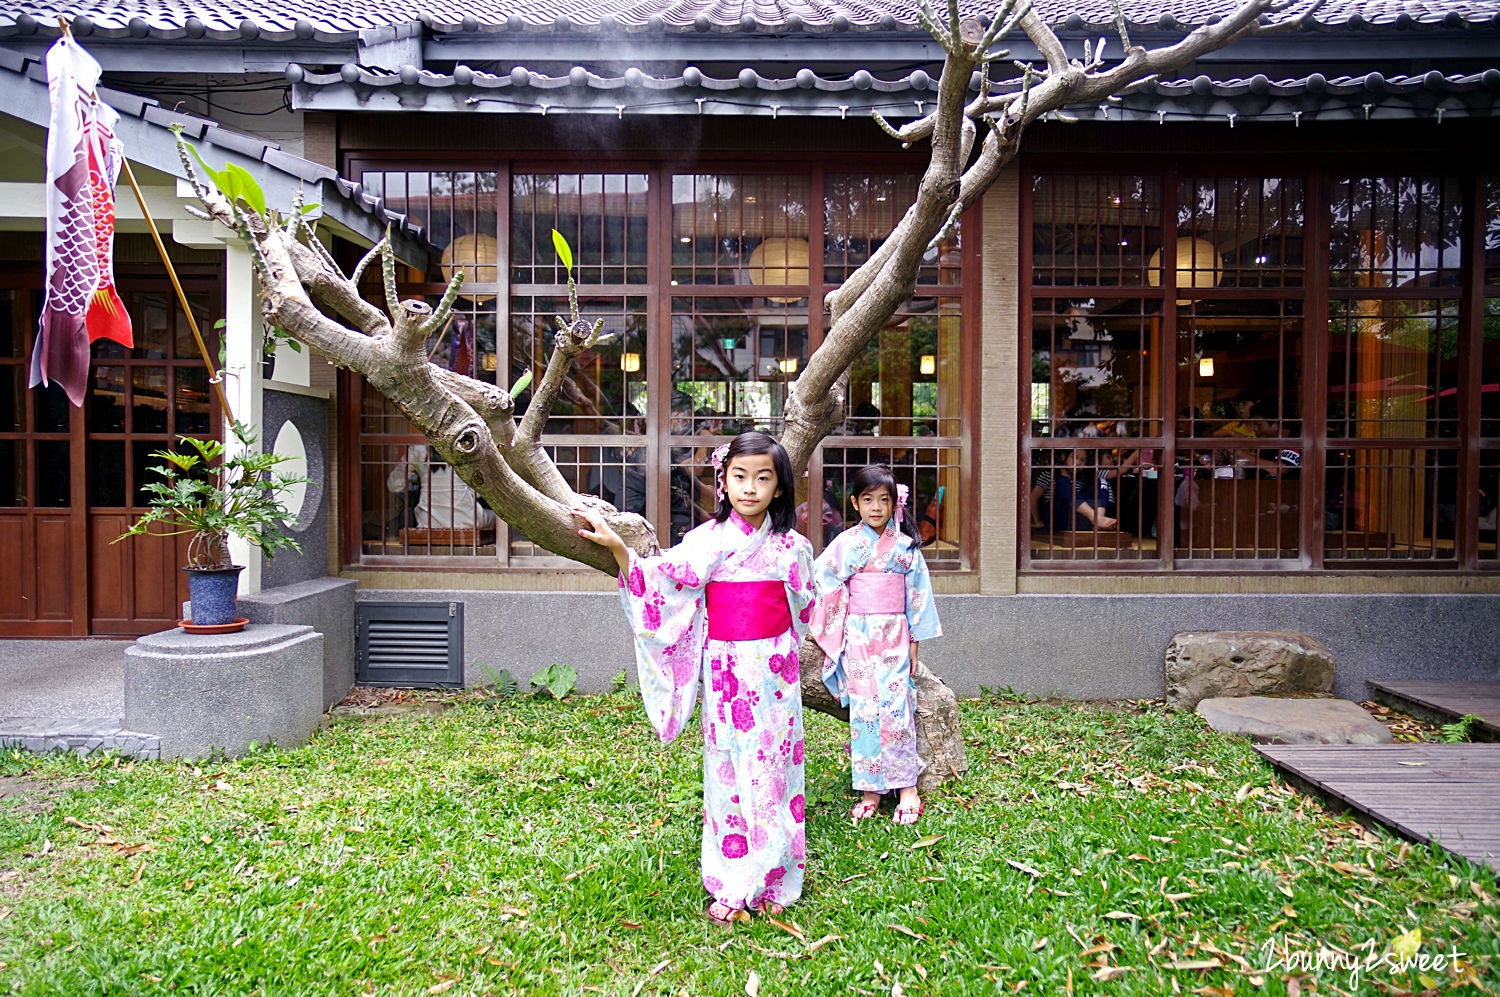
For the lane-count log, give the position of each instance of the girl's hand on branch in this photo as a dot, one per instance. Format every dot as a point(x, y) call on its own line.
point(602, 534)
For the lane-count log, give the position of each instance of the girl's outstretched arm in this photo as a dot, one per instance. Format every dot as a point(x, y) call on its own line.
point(600, 533)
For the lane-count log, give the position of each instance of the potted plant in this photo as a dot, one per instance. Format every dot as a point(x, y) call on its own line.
point(211, 494)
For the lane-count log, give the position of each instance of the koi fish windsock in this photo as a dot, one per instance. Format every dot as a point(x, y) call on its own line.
point(83, 163)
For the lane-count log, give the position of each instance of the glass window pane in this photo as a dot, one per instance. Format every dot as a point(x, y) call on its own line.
point(1489, 499)
point(1239, 368)
point(1237, 232)
point(605, 388)
point(191, 408)
point(602, 215)
point(107, 473)
point(414, 503)
point(741, 229)
point(152, 326)
point(12, 391)
point(1395, 231)
point(1390, 504)
point(908, 381)
point(51, 412)
point(1489, 389)
point(148, 399)
point(12, 341)
point(183, 342)
point(1093, 367)
point(106, 400)
point(1096, 231)
point(1492, 231)
point(12, 473)
point(861, 210)
point(1095, 502)
point(1237, 503)
point(54, 474)
point(1392, 368)
point(734, 358)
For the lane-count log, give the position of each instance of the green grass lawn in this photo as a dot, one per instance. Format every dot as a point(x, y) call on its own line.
point(530, 846)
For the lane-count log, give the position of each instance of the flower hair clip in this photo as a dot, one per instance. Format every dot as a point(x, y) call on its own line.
point(901, 493)
point(717, 460)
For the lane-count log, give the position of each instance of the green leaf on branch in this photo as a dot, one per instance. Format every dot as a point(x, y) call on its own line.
point(564, 251)
point(522, 383)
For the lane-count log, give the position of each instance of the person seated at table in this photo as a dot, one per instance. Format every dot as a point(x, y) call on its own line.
point(446, 502)
point(1074, 501)
point(1245, 422)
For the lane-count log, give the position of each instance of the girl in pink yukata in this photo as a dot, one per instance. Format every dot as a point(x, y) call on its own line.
point(874, 606)
point(729, 604)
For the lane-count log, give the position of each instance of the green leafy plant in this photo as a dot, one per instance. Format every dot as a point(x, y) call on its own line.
point(210, 494)
point(1460, 730)
point(555, 679)
point(619, 682)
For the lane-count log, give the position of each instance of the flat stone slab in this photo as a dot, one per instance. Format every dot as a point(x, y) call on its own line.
point(1270, 720)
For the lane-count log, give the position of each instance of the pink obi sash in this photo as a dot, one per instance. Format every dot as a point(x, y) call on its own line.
point(747, 610)
point(873, 593)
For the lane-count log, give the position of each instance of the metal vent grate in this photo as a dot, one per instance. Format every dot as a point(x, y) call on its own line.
point(410, 643)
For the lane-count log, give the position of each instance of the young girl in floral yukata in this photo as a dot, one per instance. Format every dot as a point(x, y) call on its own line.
point(730, 604)
point(874, 606)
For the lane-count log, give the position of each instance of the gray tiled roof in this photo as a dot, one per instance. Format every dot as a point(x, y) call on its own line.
point(335, 20)
point(145, 129)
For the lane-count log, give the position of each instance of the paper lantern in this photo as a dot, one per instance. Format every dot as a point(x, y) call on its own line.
point(1198, 265)
point(476, 255)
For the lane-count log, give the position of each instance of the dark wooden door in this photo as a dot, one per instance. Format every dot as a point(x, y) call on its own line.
point(71, 479)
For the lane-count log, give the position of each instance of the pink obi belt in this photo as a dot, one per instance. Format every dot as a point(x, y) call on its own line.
point(747, 610)
point(873, 593)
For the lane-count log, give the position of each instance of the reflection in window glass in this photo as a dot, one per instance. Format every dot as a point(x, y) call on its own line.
point(1492, 231)
point(1237, 232)
point(602, 215)
point(148, 399)
point(151, 326)
point(754, 348)
point(1239, 368)
point(1392, 368)
point(107, 473)
point(1093, 368)
point(741, 229)
point(907, 381)
point(1395, 231)
point(1489, 389)
point(51, 411)
point(11, 344)
point(1390, 504)
point(604, 390)
point(191, 409)
point(106, 400)
point(12, 391)
point(861, 210)
point(1096, 231)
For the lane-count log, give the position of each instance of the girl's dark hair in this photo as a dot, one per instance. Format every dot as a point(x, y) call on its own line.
point(875, 476)
point(783, 508)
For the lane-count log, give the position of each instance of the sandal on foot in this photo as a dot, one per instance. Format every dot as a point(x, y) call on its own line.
point(907, 815)
point(770, 908)
point(724, 915)
point(864, 809)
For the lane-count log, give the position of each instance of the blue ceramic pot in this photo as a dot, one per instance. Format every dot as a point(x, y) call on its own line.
point(211, 592)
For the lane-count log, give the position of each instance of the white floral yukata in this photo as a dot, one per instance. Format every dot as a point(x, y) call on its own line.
point(868, 666)
point(754, 848)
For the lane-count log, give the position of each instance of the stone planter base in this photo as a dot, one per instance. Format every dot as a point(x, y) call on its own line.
point(263, 685)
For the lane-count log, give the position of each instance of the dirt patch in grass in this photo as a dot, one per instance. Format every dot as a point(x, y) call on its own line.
point(25, 796)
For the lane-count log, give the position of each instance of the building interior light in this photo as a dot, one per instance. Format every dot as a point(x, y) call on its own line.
point(928, 364)
point(788, 366)
point(630, 362)
point(487, 361)
point(1205, 366)
point(686, 238)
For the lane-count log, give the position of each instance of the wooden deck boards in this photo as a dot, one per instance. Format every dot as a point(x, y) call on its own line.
point(1451, 700)
point(1448, 794)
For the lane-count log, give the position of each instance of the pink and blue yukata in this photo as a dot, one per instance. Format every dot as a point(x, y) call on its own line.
point(728, 607)
point(874, 598)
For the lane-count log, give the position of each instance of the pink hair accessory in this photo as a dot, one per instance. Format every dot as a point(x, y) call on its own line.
point(717, 460)
point(901, 492)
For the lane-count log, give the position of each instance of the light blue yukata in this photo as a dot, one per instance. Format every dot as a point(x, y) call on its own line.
point(754, 845)
point(868, 665)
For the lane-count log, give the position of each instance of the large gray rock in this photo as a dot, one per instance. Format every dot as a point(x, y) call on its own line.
point(1201, 666)
point(1268, 720)
point(225, 691)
